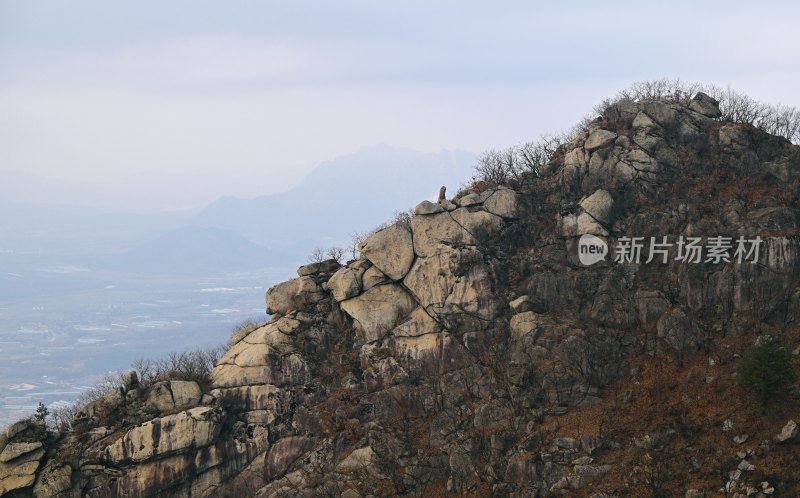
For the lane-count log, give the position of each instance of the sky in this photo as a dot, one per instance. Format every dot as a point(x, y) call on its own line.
point(205, 98)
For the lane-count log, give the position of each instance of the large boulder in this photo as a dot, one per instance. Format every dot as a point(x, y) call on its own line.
point(454, 281)
point(379, 310)
point(503, 202)
point(432, 232)
point(478, 223)
point(261, 364)
point(16, 450)
point(575, 225)
point(322, 267)
point(431, 279)
point(428, 207)
point(284, 453)
point(372, 277)
point(705, 105)
point(599, 139)
point(293, 295)
point(599, 206)
point(523, 324)
point(54, 479)
point(391, 250)
point(418, 323)
point(19, 472)
point(345, 283)
point(193, 428)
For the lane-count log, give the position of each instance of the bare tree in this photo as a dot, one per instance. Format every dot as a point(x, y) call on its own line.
point(402, 217)
point(335, 253)
point(781, 120)
point(317, 255)
point(356, 238)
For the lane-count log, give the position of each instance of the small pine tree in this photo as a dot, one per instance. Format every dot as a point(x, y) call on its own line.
point(41, 413)
point(766, 369)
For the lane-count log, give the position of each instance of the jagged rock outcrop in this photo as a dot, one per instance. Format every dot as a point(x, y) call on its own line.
point(470, 352)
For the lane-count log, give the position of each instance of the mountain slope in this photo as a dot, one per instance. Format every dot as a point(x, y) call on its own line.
point(477, 350)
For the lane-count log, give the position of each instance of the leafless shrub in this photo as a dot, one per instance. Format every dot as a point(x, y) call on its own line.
point(499, 167)
point(317, 255)
point(402, 217)
point(61, 417)
point(662, 89)
point(781, 120)
point(188, 365)
point(336, 253)
point(356, 238)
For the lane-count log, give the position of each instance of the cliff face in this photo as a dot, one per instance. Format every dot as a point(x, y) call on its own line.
point(470, 351)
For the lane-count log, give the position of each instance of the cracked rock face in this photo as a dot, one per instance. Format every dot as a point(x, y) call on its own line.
point(391, 250)
point(379, 310)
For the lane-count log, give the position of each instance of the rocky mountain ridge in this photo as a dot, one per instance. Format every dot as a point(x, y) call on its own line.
point(469, 352)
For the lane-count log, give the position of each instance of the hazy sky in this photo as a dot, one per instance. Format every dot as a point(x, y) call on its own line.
point(244, 97)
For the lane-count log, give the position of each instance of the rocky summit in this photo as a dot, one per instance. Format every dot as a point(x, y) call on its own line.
point(474, 350)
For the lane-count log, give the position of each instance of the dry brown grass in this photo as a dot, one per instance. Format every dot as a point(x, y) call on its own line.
point(668, 398)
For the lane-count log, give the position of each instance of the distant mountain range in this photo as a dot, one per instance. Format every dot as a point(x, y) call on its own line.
point(195, 251)
point(353, 192)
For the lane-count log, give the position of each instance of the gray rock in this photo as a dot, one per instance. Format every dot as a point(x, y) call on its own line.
point(746, 466)
point(522, 304)
point(448, 205)
point(293, 295)
point(575, 225)
point(391, 249)
point(651, 306)
point(428, 207)
point(705, 105)
point(377, 311)
point(599, 206)
point(185, 393)
point(479, 224)
point(523, 324)
point(599, 139)
point(471, 199)
point(16, 450)
point(372, 277)
point(419, 323)
point(503, 203)
point(53, 480)
point(193, 428)
point(788, 433)
point(345, 283)
point(21, 472)
point(284, 453)
point(430, 233)
point(17, 428)
point(159, 397)
point(323, 267)
point(624, 110)
point(662, 113)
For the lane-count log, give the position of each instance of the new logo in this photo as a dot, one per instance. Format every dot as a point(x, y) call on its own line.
point(591, 249)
